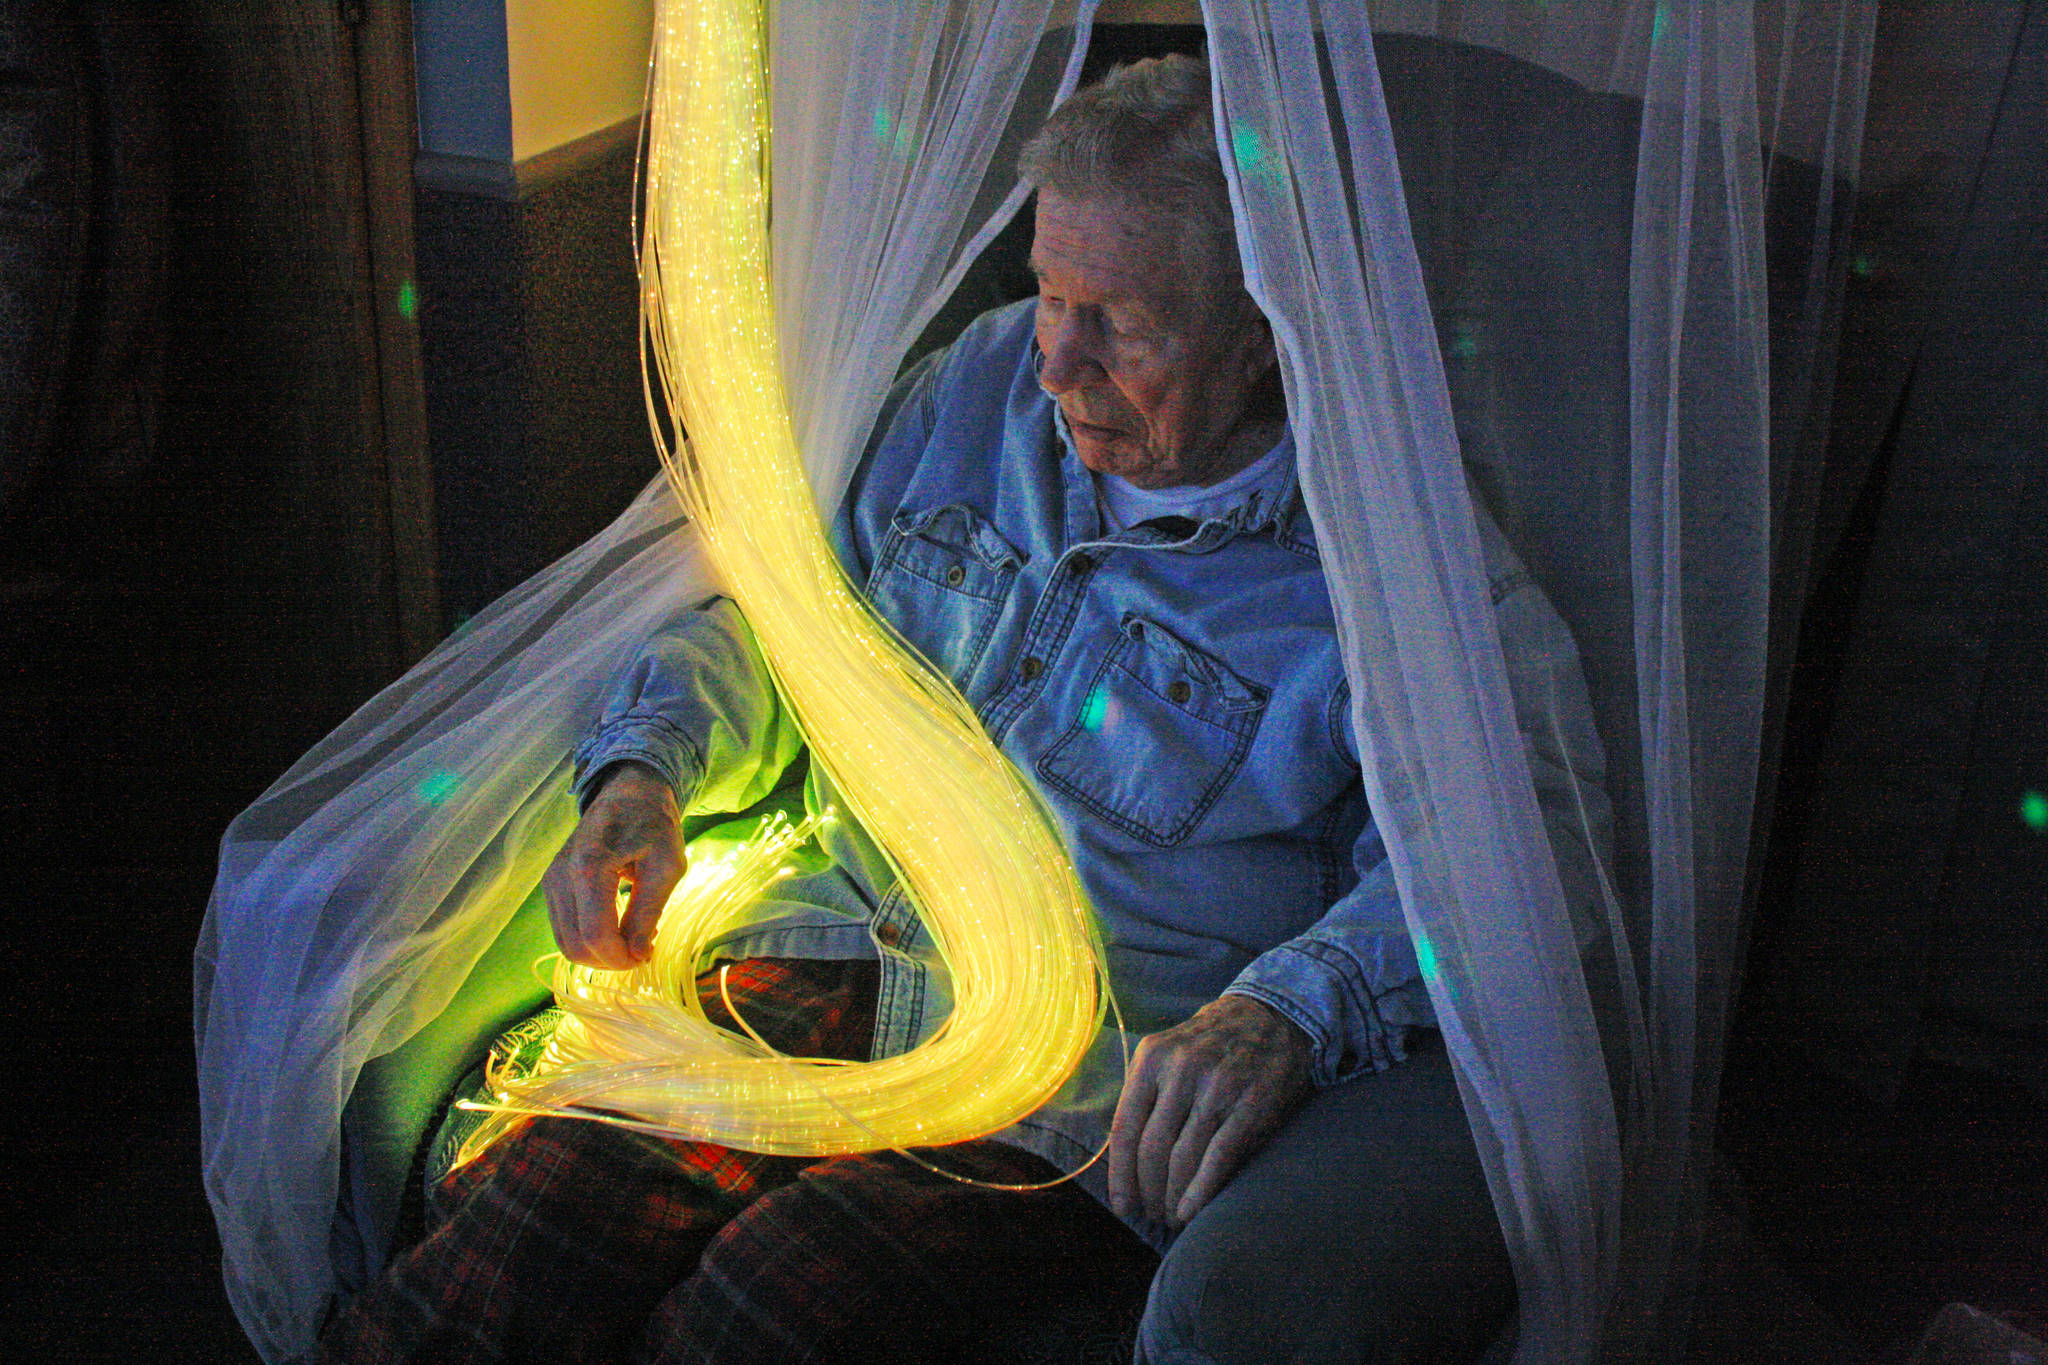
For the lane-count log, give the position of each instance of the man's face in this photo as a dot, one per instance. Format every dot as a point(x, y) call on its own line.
point(1151, 359)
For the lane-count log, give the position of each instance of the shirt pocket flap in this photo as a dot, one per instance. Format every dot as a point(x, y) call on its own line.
point(1206, 687)
point(941, 579)
point(954, 548)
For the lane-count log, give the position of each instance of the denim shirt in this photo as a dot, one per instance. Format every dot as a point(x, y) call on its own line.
point(1175, 691)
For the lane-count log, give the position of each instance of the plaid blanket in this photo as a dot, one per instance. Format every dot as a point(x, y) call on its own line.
point(573, 1241)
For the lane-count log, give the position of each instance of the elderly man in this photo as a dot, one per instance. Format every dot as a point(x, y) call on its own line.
point(1085, 513)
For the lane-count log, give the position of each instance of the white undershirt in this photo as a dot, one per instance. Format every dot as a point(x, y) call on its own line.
point(1124, 504)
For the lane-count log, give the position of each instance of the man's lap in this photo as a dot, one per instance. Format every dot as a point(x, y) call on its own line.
point(577, 1241)
point(1366, 1221)
point(588, 1243)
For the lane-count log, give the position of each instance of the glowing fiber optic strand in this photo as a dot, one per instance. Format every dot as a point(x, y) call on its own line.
point(974, 847)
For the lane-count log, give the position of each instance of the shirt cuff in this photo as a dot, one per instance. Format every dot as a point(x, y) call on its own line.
point(646, 737)
point(1321, 990)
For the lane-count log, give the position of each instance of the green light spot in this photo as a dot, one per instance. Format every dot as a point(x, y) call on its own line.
point(1425, 958)
point(439, 786)
point(1247, 146)
point(1862, 264)
point(898, 137)
point(408, 300)
point(1463, 347)
point(2034, 810)
point(1094, 710)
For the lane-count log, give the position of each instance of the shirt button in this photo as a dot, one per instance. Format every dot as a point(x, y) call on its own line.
point(955, 576)
point(888, 935)
point(1033, 666)
point(1081, 563)
point(1177, 691)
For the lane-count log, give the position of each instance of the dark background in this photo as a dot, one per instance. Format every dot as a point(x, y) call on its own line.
point(277, 414)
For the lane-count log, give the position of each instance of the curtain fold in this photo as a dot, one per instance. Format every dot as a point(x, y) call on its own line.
point(1330, 258)
point(1577, 309)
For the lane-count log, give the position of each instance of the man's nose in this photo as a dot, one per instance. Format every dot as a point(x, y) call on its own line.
point(1071, 356)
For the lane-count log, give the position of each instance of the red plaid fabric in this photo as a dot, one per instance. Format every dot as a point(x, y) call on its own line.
point(573, 1241)
point(802, 1007)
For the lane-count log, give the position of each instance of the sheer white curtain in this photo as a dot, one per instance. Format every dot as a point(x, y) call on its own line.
point(1585, 330)
point(1591, 348)
point(1329, 257)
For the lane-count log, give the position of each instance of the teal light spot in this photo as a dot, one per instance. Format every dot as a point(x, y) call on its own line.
point(1659, 26)
point(1463, 347)
point(1425, 958)
point(408, 300)
point(1094, 709)
point(1247, 146)
point(2034, 810)
point(1862, 264)
point(899, 138)
point(439, 786)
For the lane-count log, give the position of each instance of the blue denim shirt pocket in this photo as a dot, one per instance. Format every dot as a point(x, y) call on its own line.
point(941, 577)
point(1163, 728)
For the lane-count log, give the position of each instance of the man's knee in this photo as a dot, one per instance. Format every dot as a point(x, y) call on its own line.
point(1363, 1232)
point(1250, 1306)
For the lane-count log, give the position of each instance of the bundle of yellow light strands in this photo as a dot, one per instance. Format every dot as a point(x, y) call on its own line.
point(971, 841)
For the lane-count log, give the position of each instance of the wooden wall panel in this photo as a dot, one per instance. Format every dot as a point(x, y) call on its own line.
point(174, 632)
point(295, 391)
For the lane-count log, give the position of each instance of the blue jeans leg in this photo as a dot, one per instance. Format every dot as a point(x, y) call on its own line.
point(1363, 1232)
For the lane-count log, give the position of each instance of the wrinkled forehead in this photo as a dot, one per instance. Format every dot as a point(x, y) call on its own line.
point(1106, 250)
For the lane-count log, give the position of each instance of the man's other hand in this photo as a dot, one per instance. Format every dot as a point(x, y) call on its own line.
point(1200, 1099)
point(631, 833)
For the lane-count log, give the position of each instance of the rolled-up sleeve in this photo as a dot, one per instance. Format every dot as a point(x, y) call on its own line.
point(700, 708)
point(1346, 981)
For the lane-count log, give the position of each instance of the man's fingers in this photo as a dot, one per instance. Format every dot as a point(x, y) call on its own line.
point(596, 875)
point(1133, 1109)
point(1228, 1147)
point(630, 833)
point(582, 890)
point(1163, 1127)
point(654, 880)
point(565, 909)
point(1190, 1149)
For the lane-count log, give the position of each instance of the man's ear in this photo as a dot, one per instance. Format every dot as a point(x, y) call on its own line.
point(1261, 355)
point(1265, 398)
point(1268, 398)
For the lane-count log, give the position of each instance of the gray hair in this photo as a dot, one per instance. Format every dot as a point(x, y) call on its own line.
point(1142, 137)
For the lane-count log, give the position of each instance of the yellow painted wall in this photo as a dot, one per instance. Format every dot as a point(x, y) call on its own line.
point(580, 65)
point(576, 66)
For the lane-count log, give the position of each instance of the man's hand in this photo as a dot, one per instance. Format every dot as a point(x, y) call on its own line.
point(1199, 1100)
point(631, 832)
